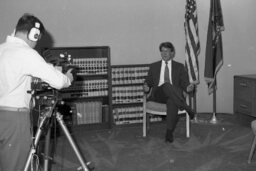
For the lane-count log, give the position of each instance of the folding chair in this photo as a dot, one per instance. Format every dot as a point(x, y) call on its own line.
point(155, 108)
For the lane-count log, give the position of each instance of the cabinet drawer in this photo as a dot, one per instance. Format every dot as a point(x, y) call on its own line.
point(243, 106)
point(244, 89)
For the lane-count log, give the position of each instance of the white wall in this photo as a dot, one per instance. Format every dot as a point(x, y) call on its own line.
point(134, 29)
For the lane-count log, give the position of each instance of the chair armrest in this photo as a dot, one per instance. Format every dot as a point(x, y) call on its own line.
point(186, 95)
point(147, 94)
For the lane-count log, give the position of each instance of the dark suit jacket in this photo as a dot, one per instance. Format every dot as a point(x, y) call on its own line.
point(180, 79)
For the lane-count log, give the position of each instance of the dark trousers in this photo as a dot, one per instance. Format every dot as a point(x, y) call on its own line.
point(174, 100)
point(15, 140)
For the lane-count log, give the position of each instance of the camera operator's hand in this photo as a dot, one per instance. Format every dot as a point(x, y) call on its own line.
point(70, 75)
point(58, 68)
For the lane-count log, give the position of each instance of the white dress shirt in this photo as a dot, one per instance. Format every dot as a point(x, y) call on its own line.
point(18, 63)
point(161, 80)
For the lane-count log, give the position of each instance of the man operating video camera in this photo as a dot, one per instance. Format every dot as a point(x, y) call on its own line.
point(19, 62)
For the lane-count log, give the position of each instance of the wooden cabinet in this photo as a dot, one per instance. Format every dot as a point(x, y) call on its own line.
point(245, 97)
point(90, 95)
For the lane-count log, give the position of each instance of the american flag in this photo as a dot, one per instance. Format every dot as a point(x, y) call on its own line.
point(192, 47)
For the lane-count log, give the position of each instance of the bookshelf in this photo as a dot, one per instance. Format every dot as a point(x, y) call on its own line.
point(90, 95)
point(127, 93)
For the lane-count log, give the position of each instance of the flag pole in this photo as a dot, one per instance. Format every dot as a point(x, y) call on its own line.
point(195, 120)
point(214, 119)
point(194, 107)
point(194, 103)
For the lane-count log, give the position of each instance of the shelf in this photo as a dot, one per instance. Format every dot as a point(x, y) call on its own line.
point(89, 127)
point(128, 84)
point(127, 104)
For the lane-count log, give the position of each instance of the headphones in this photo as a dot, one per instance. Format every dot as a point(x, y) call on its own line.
point(34, 33)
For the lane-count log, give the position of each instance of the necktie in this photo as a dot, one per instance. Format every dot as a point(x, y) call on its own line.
point(166, 73)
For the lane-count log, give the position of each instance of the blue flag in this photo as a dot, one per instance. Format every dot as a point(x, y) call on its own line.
point(214, 52)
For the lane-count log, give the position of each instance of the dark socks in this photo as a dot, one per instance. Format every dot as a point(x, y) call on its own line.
point(169, 136)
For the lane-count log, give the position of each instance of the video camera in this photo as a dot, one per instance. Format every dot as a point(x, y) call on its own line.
point(45, 94)
point(64, 60)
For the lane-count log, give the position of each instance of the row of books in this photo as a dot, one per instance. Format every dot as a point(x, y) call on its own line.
point(87, 112)
point(128, 115)
point(91, 66)
point(131, 115)
point(127, 112)
point(127, 94)
point(129, 75)
point(86, 88)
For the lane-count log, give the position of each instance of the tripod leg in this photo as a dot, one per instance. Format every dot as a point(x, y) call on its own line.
point(47, 150)
point(35, 143)
point(71, 141)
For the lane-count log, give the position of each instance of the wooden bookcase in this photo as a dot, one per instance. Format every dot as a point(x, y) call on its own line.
point(127, 93)
point(90, 95)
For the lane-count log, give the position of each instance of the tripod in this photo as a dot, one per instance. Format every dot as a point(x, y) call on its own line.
point(45, 117)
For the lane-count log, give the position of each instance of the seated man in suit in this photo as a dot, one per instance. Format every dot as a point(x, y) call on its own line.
point(168, 80)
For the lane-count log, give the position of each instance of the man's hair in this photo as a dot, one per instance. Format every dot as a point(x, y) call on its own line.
point(27, 22)
point(167, 45)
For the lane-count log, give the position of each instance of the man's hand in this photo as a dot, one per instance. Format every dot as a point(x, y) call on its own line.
point(70, 75)
point(146, 87)
point(190, 88)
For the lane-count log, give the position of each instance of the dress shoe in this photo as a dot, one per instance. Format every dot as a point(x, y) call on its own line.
point(191, 113)
point(169, 140)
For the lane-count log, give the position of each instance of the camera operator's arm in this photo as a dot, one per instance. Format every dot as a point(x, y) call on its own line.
point(70, 75)
point(36, 66)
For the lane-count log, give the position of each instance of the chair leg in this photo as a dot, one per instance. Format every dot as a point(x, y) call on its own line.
point(187, 126)
point(144, 125)
point(147, 121)
point(252, 150)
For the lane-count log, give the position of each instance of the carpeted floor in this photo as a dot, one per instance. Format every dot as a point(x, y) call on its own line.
point(223, 146)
